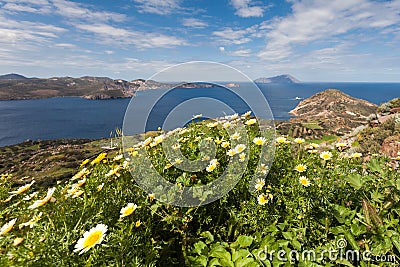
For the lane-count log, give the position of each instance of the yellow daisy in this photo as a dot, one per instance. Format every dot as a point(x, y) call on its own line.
point(259, 141)
point(248, 113)
point(211, 167)
point(41, 202)
point(281, 140)
point(80, 174)
point(259, 184)
point(231, 152)
point(227, 124)
point(128, 210)
point(315, 145)
point(100, 187)
point(242, 157)
point(7, 227)
point(114, 171)
point(240, 148)
point(263, 168)
point(235, 136)
point(262, 199)
point(299, 141)
point(341, 145)
point(31, 222)
point(212, 124)
point(176, 146)
point(301, 168)
point(118, 157)
point(356, 155)
point(219, 141)
point(22, 189)
point(251, 122)
point(138, 223)
point(225, 144)
point(177, 161)
point(91, 238)
point(99, 158)
point(147, 141)
point(326, 155)
point(304, 181)
point(86, 161)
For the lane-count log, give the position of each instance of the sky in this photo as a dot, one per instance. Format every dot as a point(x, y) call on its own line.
point(313, 40)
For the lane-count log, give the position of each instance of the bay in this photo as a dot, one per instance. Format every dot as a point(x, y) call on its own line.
point(73, 117)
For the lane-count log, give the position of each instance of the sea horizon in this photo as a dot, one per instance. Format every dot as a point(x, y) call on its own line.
point(75, 117)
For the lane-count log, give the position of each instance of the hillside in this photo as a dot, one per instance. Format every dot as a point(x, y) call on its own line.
point(286, 78)
point(17, 87)
point(12, 76)
point(310, 198)
point(329, 112)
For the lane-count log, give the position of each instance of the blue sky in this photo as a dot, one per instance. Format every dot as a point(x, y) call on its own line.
point(314, 40)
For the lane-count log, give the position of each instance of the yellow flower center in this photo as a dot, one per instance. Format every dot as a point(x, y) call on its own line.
point(92, 239)
point(129, 210)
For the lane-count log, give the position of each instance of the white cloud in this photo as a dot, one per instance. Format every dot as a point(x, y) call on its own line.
point(237, 37)
point(24, 35)
point(194, 23)
point(31, 6)
point(112, 35)
point(245, 9)
point(65, 45)
point(161, 7)
point(321, 21)
point(77, 11)
point(221, 49)
point(241, 53)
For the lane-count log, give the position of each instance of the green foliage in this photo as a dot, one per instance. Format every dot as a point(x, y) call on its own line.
point(370, 139)
point(346, 200)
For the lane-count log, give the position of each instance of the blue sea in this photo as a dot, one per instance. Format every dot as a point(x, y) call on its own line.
point(73, 117)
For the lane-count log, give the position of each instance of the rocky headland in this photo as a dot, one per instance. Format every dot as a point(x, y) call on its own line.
point(328, 112)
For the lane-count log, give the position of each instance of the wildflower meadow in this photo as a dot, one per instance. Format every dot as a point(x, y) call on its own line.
point(322, 199)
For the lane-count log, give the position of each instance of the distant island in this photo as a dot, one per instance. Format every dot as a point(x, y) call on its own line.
point(17, 87)
point(285, 78)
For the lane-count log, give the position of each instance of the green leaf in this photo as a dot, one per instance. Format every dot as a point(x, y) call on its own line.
point(355, 180)
point(221, 254)
point(287, 235)
point(200, 248)
point(243, 262)
point(214, 262)
point(209, 237)
point(374, 165)
point(376, 196)
point(226, 263)
point(244, 241)
point(296, 244)
point(242, 253)
point(198, 261)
